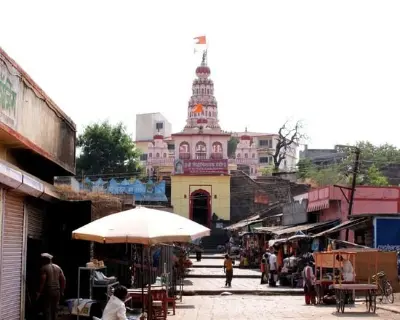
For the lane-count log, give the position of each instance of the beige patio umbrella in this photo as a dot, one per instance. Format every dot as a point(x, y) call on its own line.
point(141, 226)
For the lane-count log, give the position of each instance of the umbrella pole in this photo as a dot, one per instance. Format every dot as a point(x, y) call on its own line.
point(142, 278)
point(150, 308)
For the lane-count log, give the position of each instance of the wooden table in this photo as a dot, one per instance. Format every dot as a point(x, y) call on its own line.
point(322, 285)
point(343, 288)
point(158, 293)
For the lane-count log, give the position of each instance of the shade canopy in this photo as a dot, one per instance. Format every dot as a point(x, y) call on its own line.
point(141, 226)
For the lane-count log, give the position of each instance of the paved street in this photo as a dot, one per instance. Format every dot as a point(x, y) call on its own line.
point(250, 285)
point(236, 307)
point(219, 271)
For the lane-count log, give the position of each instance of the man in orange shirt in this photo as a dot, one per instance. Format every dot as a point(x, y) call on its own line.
point(228, 270)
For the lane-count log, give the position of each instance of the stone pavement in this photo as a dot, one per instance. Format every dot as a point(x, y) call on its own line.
point(218, 272)
point(206, 277)
point(393, 307)
point(235, 307)
point(210, 286)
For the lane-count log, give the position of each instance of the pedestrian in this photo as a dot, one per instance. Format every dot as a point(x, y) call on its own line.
point(198, 249)
point(273, 268)
point(309, 287)
point(228, 270)
point(52, 286)
point(264, 271)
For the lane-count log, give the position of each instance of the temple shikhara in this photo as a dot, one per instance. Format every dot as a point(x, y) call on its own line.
point(196, 158)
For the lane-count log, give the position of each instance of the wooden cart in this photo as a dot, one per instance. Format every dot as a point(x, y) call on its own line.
point(345, 289)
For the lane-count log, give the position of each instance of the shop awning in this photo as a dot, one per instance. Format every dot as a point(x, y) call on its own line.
point(344, 225)
point(318, 205)
point(305, 227)
point(244, 223)
point(270, 229)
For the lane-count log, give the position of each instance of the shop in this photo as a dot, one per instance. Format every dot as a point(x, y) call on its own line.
point(22, 237)
point(253, 247)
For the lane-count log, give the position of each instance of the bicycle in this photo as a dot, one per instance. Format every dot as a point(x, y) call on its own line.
point(384, 287)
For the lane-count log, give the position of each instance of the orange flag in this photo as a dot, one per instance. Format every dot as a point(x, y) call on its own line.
point(198, 108)
point(201, 40)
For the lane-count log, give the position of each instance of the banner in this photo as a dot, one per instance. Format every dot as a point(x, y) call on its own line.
point(198, 167)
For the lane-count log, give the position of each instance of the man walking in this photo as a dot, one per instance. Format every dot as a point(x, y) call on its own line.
point(273, 268)
point(228, 270)
point(52, 286)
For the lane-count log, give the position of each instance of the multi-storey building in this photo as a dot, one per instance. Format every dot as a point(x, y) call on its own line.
point(150, 124)
point(256, 150)
point(37, 142)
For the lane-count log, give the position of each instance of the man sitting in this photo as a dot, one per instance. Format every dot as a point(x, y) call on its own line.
point(115, 308)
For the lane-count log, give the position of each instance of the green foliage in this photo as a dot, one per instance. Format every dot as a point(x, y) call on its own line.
point(320, 176)
point(305, 168)
point(232, 145)
point(374, 177)
point(373, 159)
point(106, 149)
point(268, 171)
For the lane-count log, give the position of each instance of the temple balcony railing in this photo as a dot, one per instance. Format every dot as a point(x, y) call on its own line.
point(245, 161)
point(160, 161)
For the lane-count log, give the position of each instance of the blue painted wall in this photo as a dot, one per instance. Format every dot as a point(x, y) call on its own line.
point(143, 191)
point(387, 234)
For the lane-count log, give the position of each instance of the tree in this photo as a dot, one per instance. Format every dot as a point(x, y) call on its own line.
point(106, 149)
point(232, 145)
point(373, 159)
point(267, 171)
point(374, 177)
point(288, 138)
point(320, 176)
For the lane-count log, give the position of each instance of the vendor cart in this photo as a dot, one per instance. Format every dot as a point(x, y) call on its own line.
point(344, 290)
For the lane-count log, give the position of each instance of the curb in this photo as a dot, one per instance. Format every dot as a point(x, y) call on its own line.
point(242, 292)
point(209, 258)
point(220, 276)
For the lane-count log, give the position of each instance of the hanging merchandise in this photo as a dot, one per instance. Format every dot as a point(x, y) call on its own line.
point(315, 245)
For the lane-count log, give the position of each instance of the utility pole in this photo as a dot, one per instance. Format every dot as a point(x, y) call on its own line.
point(353, 186)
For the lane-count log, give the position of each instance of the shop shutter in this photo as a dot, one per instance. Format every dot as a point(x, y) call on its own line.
point(36, 216)
point(11, 259)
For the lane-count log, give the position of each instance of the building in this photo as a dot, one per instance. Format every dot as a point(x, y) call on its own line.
point(150, 124)
point(323, 157)
point(256, 149)
point(253, 153)
point(37, 143)
point(374, 209)
point(196, 158)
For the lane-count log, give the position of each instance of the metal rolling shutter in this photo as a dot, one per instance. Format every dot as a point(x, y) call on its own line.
point(36, 216)
point(11, 260)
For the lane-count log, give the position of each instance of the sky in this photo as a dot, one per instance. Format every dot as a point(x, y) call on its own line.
point(335, 65)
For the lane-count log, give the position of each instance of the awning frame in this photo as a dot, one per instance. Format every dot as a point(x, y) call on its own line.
point(349, 224)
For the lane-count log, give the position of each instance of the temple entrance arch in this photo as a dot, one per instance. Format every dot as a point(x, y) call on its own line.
point(200, 207)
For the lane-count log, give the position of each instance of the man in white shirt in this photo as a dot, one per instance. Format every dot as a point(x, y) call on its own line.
point(348, 276)
point(273, 268)
point(115, 308)
point(347, 269)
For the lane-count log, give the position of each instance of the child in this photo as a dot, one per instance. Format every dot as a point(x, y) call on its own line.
point(264, 274)
point(228, 270)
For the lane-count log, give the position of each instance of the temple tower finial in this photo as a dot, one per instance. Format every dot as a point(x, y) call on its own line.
point(204, 60)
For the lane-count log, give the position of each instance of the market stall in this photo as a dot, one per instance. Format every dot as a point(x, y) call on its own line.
point(336, 276)
point(292, 255)
point(147, 227)
point(253, 247)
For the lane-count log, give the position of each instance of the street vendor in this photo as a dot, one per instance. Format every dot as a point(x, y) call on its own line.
point(347, 269)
